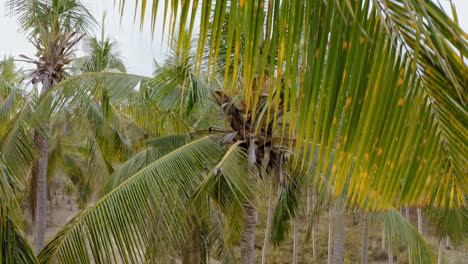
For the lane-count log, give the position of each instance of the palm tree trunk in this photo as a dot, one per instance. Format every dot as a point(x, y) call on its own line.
point(407, 216)
point(439, 257)
point(420, 227)
point(338, 250)
point(41, 207)
point(268, 227)
point(365, 237)
point(42, 145)
point(383, 238)
point(33, 187)
point(330, 236)
point(314, 252)
point(390, 252)
point(295, 241)
point(248, 234)
point(447, 243)
point(314, 248)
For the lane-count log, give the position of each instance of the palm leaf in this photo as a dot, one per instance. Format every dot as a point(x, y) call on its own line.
point(340, 66)
point(401, 233)
point(165, 184)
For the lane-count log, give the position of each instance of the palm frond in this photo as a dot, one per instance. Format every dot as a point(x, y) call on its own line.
point(352, 67)
point(228, 186)
point(166, 184)
point(14, 246)
point(401, 233)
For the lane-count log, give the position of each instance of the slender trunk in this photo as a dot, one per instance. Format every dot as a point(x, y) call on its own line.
point(338, 250)
point(248, 235)
point(314, 252)
point(365, 237)
point(420, 227)
point(42, 145)
point(268, 227)
point(383, 238)
point(439, 258)
point(41, 206)
point(33, 187)
point(295, 241)
point(51, 205)
point(447, 244)
point(390, 252)
point(407, 216)
point(330, 236)
point(314, 246)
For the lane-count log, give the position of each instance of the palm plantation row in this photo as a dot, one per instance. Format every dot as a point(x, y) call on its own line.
point(307, 106)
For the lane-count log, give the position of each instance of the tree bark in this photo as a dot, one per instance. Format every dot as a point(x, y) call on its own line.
point(268, 227)
point(314, 252)
point(314, 248)
point(295, 241)
point(42, 145)
point(338, 250)
point(439, 257)
point(447, 244)
point(407, 214)
point(383, 238)
point(248, 234)
point(41, 206)
point(33, 188)
point(420, 227)
point(365, 237)
point(390, 252)
point(330, 236)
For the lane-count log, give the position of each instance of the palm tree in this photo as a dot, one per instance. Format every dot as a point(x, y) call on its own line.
point(314, 76)
point(102, 55)
point(277, 67)
point(54, 28)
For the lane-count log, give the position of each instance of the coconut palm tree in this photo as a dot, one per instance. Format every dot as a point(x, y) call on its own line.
point(101, 55)
point(319, 87)
point(281, 63)
point(268, 29)
point(54, 27)
point(207, 172)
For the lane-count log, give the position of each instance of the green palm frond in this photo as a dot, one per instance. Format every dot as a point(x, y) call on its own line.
point(14, 246)
point(165, 184)
point(157, 148)
point(401, 233)
point(228, 185)
point(449, 223)
point(71, 15)
point(372, 81)
point(72, 91)
point(16, 143)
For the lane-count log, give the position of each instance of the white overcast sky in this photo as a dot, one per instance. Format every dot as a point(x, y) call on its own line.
point(137, 47)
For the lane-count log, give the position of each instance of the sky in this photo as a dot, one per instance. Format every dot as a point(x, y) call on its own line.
point(138, 47)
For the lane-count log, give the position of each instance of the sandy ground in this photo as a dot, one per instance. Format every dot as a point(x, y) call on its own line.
point(60, 211)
